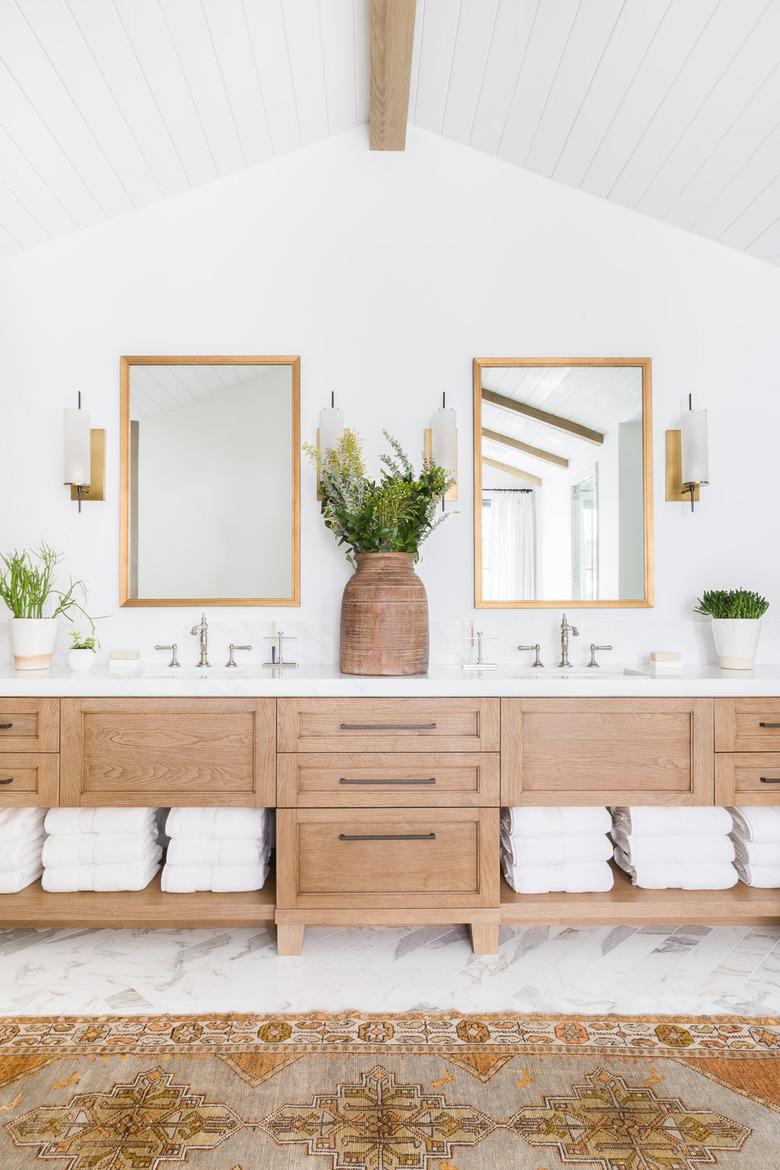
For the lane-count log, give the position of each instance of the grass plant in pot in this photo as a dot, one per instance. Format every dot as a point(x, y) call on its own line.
point(384, 610)
point(736, 624)
point(28, 588)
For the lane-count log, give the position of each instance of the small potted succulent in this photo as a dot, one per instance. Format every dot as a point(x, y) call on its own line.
point(81, 655)
point(736, 624)
point(27, 586)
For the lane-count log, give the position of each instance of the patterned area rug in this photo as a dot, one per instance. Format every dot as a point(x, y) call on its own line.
point(412, 1092)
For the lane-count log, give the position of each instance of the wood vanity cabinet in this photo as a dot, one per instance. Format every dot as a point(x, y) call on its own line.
point(747, 751)
point(29, 752)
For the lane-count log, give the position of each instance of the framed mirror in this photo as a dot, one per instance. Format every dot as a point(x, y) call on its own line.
point(563, 503)
point(210, 481)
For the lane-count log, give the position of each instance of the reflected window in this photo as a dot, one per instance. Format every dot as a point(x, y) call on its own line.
point(585, 538)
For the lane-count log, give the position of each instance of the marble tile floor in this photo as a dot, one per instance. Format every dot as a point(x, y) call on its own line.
point(622, 969)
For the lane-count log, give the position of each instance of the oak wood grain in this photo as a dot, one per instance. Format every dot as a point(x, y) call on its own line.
point(738, 725)
point(28, 779)
point(401, 780)
point(29, 725)
point(388, 725)
point(747, 778)
point(392, 36)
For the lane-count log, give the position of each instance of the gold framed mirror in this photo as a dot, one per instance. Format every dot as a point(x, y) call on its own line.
point(210, 481)
point(563, 500)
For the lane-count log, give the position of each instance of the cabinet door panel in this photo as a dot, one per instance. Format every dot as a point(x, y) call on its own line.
point(388, 725)
point(747, 778)
point(404, 779)
point(747, 725)
point(29, 780)
point(29, 725)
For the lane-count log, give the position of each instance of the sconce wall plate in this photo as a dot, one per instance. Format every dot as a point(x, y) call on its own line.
point(674, 483)
point(97, 469)
point(452, 493)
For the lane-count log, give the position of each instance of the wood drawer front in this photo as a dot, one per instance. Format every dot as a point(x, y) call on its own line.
point(387, 858)
point(388, 725)
point(28, 779)
point(747, 778)
point(29, 725)
point(405, 780)
point(168, 752)
point(747, 725)
point(607, 751)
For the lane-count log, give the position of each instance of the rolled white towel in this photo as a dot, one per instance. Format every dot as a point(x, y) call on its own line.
point(190, 879)
point(20, 822)
point(14, 880)
point(125, 875)
point(21, 854)
point(699, 875)
point(215, 851)
point(555, 821)
point(757, 822)
point(100, 848)
point(68, 821)
point(756, 852)
point(763, 877)
point(657, 850)
point(556, 850)
point(650, 821)
point(582, 878)
point(189, 823)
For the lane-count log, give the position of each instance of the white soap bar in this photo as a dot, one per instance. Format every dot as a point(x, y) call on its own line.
point(124, 655)
point(666, 656)
point(124, 661)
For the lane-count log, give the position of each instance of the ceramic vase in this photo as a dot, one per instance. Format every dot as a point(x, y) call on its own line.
point(384, 617)
point(81, 659)
point(32, 642)
point(736, 640)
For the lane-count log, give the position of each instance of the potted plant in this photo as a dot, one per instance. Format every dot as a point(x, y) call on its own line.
point(27, 587)
point(384, 610)
point(736, 624)
point(81, 655)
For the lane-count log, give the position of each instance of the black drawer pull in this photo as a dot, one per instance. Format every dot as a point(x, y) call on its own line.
point(420, 780)
point(390, 726)
point(770, 780)
point(776, 726)
point(387, 836)
point(8, 780)
point(6, 726)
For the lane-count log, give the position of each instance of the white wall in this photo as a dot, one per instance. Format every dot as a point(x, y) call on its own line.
point(387, 274)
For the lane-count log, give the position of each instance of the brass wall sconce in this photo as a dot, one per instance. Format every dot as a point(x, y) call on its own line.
point(85, 456)
point(687, 457)
point(441, 444)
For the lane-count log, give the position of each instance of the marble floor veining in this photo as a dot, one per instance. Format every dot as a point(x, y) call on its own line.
point(623, 969)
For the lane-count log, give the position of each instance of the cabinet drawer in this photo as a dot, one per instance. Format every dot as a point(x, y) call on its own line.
point(747, 778)
point(747, 725)
point(388, 725)
point(386, 858)
point(28, 780)
point(607, 751)
point(406, 779)
point(29, 725)
point(168, 752)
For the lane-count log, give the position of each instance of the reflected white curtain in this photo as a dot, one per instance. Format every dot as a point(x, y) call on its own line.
point(509, 545)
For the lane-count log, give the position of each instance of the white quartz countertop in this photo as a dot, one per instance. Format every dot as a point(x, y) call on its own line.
point(441, 681)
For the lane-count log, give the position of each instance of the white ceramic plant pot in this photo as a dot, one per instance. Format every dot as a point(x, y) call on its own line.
point(81, 659)
point(32, 642)
point(736, 640)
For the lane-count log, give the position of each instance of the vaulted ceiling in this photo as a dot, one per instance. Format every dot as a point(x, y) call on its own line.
point(669, 107)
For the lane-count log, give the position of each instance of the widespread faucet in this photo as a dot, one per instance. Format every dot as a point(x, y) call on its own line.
point(202, 631)
point(566, 629)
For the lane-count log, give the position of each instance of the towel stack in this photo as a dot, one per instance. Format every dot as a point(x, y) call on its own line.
point(555, 850)
point(756, 837)
point(666, 848)
point(21, 843)
point(220, 849)
point(100, 849)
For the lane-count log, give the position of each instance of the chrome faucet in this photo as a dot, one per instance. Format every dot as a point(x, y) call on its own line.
point(566, 629)
point(202, 631)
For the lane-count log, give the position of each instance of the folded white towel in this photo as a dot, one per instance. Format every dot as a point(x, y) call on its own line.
point(649, 821)
point(189, 823)
point(699, 875)
point(20, 822)
point(763, 877)
point(67, 821)
point(758, 822)
point(21, 853)
point(125, 875)
point(756, 852)
point(213, 851)
point(657, 850)
point(559, 821)
point(189, 879)
point(556, 850)
point(586, 877)
point(14, 880)
point(99, 848)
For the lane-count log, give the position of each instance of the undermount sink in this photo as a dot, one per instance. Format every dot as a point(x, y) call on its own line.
point(550, 674)
point(194, 672)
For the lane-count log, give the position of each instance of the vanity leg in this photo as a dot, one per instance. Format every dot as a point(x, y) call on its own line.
point(289, 938)
point(484, 937)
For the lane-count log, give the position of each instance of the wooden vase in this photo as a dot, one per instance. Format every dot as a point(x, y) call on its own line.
point(384, 617)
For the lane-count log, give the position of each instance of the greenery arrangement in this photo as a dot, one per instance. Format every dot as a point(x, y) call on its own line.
point(27, 586)
point(732, 603)
point(79, 642)
point(393, 514)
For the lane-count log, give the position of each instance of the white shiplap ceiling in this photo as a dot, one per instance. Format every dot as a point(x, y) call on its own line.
point(670, 107)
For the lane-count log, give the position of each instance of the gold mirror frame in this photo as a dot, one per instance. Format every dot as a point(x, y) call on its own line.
point(643, 363)
point(125, 365)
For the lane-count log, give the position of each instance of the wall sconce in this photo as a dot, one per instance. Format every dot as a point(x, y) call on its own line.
point(687, 456)
point(441, 443)
point(85, 456)
point(329, 432)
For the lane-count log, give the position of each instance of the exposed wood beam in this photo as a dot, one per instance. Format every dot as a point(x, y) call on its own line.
point(510, 470)
point(526, 448)
point(392, 36)
point(543, 416)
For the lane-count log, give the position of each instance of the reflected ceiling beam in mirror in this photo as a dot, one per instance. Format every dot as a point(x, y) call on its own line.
point(543, 416)
point(526, 448)
point(497, 465)
point(392, 36)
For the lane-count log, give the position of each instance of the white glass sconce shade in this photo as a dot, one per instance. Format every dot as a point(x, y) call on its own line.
point(331, 428)
point(444, 439)
point(695, 447)
point(77, 448)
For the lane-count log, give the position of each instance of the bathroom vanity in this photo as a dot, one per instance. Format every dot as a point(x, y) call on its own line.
point(388, 792)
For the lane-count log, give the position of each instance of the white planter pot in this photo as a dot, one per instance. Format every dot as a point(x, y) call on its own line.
point(81, 659)
point(32, 642)
point(736, 640)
